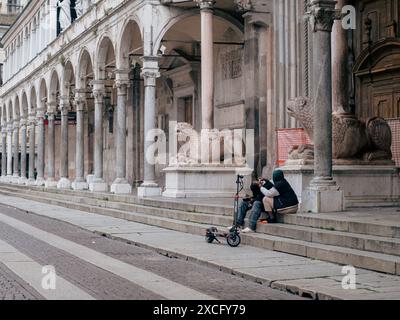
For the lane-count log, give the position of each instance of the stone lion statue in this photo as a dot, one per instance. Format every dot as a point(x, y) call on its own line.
point(352, 138)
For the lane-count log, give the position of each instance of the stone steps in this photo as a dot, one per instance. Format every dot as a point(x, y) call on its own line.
point(333, 246)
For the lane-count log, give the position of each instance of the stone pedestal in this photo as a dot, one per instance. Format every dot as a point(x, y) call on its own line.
point(22, 180)
point(203, 181)
point(149, 190)
point(80, 185)
point(121, 186)
point(64, 183)
point(50, 183)
point(30, 182)
point(361, 185)
point(98, 185)
point(319, 199)
point(40, 182)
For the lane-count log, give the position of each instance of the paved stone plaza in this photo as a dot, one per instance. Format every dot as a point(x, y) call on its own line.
point(73, 241)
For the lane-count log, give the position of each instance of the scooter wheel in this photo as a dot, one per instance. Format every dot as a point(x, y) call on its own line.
point(233, 239)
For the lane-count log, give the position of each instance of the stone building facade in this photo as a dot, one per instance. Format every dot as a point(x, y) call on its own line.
point(76, 105)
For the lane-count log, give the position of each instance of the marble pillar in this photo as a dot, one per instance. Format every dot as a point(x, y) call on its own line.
point(40, 181)
point(207, 63)
point(51, 169)
point(98, 184)
point(16, 176)
point(9, 151)
point(79, 182)
point(23, 179)
point(120, 184)
point(3, 153)
point(150, 73)
point(340, 65)
point(32, 128)
point(323, 195)
point(64, 182)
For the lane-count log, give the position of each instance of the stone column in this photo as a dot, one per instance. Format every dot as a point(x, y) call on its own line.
point(79, 183)
point(323, 195)
point(51, 169)
point(9, 151)
point(3, 153)
point(207, 63)
point(40, 147)
point(121, 185)
point(150, 73)
point(98, 184)
point(16, 176)
point(64, 182)
point(340, 65)
point(32, 128)
point(23, 178)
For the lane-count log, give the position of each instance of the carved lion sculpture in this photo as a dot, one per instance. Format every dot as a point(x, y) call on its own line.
point(352, 138)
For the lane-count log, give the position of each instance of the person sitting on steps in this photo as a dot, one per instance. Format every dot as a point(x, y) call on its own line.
point(254, 203)
point(281, 198)
point(262, 185)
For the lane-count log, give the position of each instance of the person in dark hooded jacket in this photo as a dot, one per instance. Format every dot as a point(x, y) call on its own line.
point(280, 198)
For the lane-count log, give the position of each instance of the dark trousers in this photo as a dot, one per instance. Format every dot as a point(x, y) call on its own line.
point(256, 211)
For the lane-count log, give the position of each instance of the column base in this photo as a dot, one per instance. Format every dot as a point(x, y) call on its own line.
point(15, 179)
point(6, 179)
point(121, 186)
point(22, 180)
point(322, 199)
point(90, 178)
point(64, 183)
point(30, 182)
point(40, 182)
point(98, 185)
point(80, 185)
point(50, 183)
point(149, 190)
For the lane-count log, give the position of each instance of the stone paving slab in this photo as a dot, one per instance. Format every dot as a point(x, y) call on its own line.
point(283, 271)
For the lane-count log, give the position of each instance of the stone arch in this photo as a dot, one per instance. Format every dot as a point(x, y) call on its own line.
point(42, 93)
point(24, 106)
point(16, 108)
point(68, 79)
point(33, 100)
point(84, 73)
point(218, 14)
point(105, 57)
point(130, 43)
point(9, 110)
point(54, 86)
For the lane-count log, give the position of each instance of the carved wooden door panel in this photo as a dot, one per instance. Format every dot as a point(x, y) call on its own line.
point(382, 105)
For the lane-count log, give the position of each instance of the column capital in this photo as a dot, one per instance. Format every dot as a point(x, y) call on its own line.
point(80, 99)
point(32, 119)
point(51, 107)
point(22, 123)
point(15, 124)
point(64, 104)
point(260, 19)
point(150, 70)
point(322, 14)
point(205, 4)
point(99, 90)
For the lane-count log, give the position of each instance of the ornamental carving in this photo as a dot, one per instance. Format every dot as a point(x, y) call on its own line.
point(322, 15)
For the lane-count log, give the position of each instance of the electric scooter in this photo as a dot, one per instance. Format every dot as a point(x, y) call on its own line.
point(232, 237)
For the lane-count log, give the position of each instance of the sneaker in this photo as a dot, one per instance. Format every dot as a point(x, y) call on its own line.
point(231, 227)
point(248, 230)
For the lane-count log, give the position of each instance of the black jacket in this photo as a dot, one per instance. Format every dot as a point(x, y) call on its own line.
point(287, 197)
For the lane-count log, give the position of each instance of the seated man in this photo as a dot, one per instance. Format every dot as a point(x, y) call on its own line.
point(281, 198)
point(254, 203)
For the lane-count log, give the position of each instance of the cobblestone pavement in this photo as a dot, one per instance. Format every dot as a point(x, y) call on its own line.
point(14, 288)
point(103, 284)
